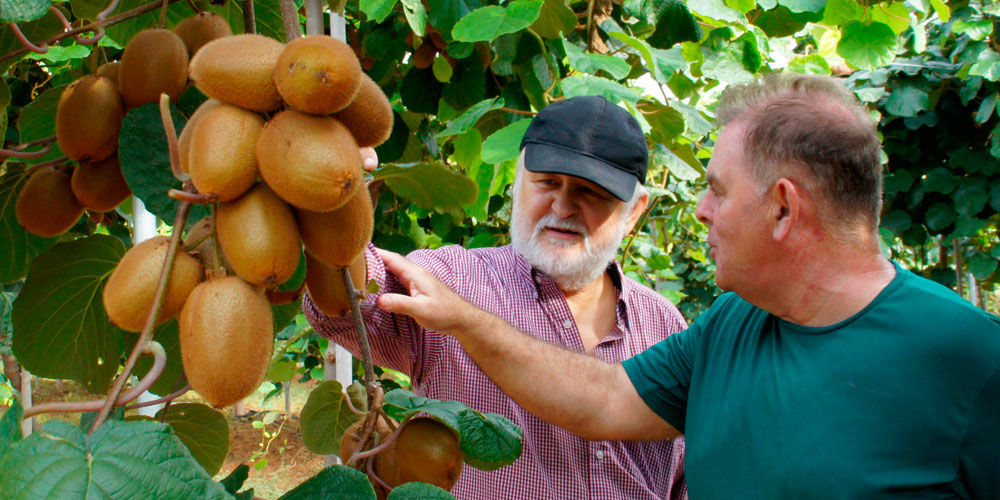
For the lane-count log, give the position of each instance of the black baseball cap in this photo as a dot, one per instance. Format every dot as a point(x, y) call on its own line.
point(590, 138)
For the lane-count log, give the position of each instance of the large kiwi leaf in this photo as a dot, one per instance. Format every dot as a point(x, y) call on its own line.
point(38, 121)
point(123, 460)
point(60, 328)
point(20, 246)
point(429, 185)
point(325, 418)
point(419, 491)
point(337, 482)
point(203, 430)
point(488, 440)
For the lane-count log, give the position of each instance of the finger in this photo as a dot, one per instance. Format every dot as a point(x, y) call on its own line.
point(395, 303)
point(369, 159)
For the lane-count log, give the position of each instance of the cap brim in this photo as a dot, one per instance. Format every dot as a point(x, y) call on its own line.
point(544, 158)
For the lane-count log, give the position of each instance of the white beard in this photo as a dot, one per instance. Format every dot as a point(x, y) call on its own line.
point(571, 267)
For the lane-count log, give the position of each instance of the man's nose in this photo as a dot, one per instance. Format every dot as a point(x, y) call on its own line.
point(702, 211)
point(563, 204)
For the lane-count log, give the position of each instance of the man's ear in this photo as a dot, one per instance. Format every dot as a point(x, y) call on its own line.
point(785, 208)
point(636, 213)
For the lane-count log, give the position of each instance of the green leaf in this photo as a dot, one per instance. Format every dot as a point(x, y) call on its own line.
point(463, 122)
point(487, 23)
point(420, 90)
point(123, 460)
point(61, 329)
point(898, 182)
point(987, 66)
point(718, 10)
point(977, 29)
point(867, 46)
point(416, 16)
point(19, 11)
point(18, 245)
point(667, 123)
point(124, 31)
point(429, 185)
point(814, 64)
point(907, 101)
point(234, 481)
point(443, 14)
point(970, 200)
point(337, 482)
point(203, 430)
point(555, 20)
point(941, 9)
point(504, 144)
point(982, 266)
point(59, 54)
point(325, 417)
point(467, 148)
point(726, 65)
point(778, 22)
point(894, 15)
point(145, 161)
point(40, 29)
point(986, 109)
point(660, 63)
point(995, 196)
point(87, 9)
point(419, 491)
point(592, 63)
point(592, 85)
point(282, 370)
point(4, 101)
point(10, 426)
point(803, 5)
point(684, 169)
point(489, 441)
point(285, 314)
point(939, 216)
point(442, 69)
point(838, 12)
point(940, 180)
point(468, 85)
point(38, 121)
point(897, 221)
point(377, 10)
point(172, 378)
point(674, 24)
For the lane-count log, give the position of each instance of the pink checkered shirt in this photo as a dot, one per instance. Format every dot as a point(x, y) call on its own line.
point(554, 465)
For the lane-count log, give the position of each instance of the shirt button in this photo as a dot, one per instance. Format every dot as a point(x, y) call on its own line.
point(599, 454)
point(538, 279)
point(567, 324)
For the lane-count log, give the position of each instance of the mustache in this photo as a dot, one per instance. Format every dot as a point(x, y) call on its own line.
point(572, 223)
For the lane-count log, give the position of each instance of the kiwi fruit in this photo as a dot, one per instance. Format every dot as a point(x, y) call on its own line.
point(110, 71)
point(310, 161)
point(88, 118)
point(129, 292)
point(202, 28)
point(237, 70)
point(154, 62)
point(201, 237)
point(226, 337)
point(425, 450)
point(423, 57)
point(259, 237)
point(46, 205)
point(184, 139)
point(99, 186)
point(351, 440)
point(337, 237)
point(222, 151)
point(325, 285)
point(369, 116)
point(317, 74)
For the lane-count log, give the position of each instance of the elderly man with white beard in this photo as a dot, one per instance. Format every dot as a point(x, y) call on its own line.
point(577, 192)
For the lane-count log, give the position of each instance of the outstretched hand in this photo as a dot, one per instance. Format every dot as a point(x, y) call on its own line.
point(431, 303)
point(369, 159)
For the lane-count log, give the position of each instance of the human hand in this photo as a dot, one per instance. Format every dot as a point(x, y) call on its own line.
point(431, 303)
point(369, 159)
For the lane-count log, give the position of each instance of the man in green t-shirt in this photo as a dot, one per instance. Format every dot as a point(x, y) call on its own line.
point(828, 372)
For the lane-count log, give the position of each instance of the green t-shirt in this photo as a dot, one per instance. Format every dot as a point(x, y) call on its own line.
point(902, 400)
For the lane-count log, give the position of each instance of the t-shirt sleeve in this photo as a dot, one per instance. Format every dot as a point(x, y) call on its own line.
point(980, 456)
point(662, 374)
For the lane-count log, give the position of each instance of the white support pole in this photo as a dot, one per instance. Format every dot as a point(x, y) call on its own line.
point(26, 424)
point(314, 17)
point(144, 228)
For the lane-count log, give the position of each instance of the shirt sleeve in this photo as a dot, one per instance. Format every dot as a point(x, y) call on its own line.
point(980, 455)
point(662, 375)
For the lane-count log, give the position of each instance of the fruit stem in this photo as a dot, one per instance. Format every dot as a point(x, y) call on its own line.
point(193, 198)
point(163, 14)
point(171, 132)
point(373, 475)
point(147, 330)
point(361, 455)
point(355, 296)
point(290, 16)
point(39, 166)
point(249, 19)
point(159, 362)
point(18, 151)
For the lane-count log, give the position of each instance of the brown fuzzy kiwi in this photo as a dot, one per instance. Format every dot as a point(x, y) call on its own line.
point(100, 186)
point(184, 139)
point(317, 74)
point(369, 116)
point(423, 57)
point(351, 440)
point(259, 237)
point(46, 205)
point(226, 337)
point(129, 292)
point(201, 237)
point(154, 62)
point(237, 70)
point(88, 118)
point(425, 450)
point(325, 285)
point(110, 71)
point(337, 237)
point(310, 161)
point(202, 28)
point(222, 156)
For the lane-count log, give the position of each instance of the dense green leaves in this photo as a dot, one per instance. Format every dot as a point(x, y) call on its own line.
point(325, 417)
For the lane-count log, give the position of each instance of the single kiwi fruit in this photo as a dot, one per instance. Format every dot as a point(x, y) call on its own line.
point(339, 236)
point(201, 236)
point(184, 139)
point(46, 205)
point(100, 186)
point(222, 157)
point(237, 70)
point(88, 118)
point(129, 292)
point(425, 450)
point(310, 161)
point(154, 62)
point(202, 28)
point(423, 57)
point(317, 74)
point(369, 116)
point(259, 237)
point(325, 284)
point(110, 71)
point(226, 337)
